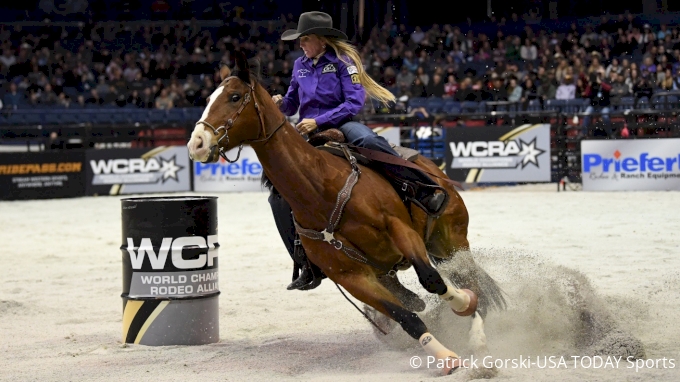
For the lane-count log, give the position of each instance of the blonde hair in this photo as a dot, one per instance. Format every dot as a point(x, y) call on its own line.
point(373, 89)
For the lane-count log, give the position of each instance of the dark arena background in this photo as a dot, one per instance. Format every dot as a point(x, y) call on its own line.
point(558, 118)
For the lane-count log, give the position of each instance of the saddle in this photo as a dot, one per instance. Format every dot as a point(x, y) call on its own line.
point(329, 140)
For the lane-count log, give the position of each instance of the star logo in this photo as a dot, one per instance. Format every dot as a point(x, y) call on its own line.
point(169, 169)
point(327, 236)
point(529, 153)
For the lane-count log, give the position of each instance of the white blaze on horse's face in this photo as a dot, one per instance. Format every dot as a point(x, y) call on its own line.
point(203, 139)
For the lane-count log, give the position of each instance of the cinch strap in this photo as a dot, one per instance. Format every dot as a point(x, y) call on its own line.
point(327, 234)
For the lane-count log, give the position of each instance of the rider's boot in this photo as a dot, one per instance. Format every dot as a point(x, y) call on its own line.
point(417, 187)
point(309, 276)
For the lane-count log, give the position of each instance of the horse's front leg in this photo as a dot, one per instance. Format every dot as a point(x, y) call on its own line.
point(365, 287)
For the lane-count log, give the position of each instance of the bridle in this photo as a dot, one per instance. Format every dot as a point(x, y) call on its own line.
point(230, 123)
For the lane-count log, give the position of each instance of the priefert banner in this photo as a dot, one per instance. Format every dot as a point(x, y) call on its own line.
point(642, 164)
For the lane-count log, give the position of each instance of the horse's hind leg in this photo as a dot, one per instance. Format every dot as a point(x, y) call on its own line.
point(462, 301)
point(370, 291)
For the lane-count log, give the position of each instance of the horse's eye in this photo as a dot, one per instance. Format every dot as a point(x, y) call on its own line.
point(235, 97)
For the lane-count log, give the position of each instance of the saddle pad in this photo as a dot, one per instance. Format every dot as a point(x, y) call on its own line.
point(406, 154)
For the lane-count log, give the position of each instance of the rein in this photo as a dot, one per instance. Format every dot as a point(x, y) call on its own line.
point(230, 123)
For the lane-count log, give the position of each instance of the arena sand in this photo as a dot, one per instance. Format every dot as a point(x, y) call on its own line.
point(585, 274)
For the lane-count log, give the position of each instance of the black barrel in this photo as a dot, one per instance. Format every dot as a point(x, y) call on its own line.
point(170, 274)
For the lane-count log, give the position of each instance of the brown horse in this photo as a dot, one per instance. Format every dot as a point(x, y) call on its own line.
point(375, 221)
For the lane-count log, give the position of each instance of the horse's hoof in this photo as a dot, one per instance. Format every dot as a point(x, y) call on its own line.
point(472, 307)
point(451, 365)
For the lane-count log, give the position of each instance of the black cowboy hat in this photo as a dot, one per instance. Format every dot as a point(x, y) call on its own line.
point(318, 23)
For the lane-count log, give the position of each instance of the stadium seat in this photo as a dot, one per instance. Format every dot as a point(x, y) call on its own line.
point(643, 103)
point(534, 105)
point(451, 107)
point(53, 118)
point(469, 107)
point(33, 118)
point(69, 117)
point(625, 103)
point(434, 105)
point(417, 102)
point(158, 116)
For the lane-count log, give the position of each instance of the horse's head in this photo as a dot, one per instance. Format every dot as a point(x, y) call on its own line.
point(232, 116)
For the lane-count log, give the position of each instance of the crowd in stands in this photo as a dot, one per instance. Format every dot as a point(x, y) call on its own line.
point(163, 66)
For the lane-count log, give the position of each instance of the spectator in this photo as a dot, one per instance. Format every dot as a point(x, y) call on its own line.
point(436, 87)
point(667, 82)
point(8, 58)
point(547, 89)
point(529, 92)
point(614, 66)
point(405, 77)
point(451, 86)
point(648, 65)
point(465, 92)
point(47, 97)
point(567, 90)
point(498, 91)
point(514, 90)
point(55, 142)
point(14, 98)
point(424, 77)
point(528, 52)
point(164, 101)
point(598, 92)
point(620, 88)
point(94, 98)
point(418, 89)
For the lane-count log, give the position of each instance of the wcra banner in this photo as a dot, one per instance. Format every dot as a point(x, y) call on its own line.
point(641, 164)
point(497, 154)
point(138, 171)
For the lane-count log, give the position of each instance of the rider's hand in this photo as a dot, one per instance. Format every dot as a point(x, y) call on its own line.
point(306, 126)
point(277, 99)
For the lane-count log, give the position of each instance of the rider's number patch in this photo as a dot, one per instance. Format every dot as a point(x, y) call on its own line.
point(355, 78)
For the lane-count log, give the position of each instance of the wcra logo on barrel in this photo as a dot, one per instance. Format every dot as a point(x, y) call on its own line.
point(183, 266)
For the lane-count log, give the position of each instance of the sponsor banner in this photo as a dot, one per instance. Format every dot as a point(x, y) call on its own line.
point(42, 175)
point(642, 164)
point(498, 154)
point(138, 171)
point(241, 176)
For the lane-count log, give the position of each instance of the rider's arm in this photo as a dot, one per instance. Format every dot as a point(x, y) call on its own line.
point(353, 93)
point(291, 101)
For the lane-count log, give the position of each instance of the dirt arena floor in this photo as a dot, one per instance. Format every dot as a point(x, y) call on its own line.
point(590, 278)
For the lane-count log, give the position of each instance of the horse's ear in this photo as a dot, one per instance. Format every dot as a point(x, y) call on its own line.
point(224, 72)
point(242, 67)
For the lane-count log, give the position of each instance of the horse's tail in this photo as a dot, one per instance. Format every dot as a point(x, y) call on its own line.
point(493, 294)
point(463, 272)
point(265, 182)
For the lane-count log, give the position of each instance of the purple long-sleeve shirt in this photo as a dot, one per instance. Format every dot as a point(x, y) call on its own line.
point(328, 92)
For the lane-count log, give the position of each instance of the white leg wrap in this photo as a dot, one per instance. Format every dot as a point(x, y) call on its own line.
point(477, 336)
point(434, 348)
point(457, 300)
